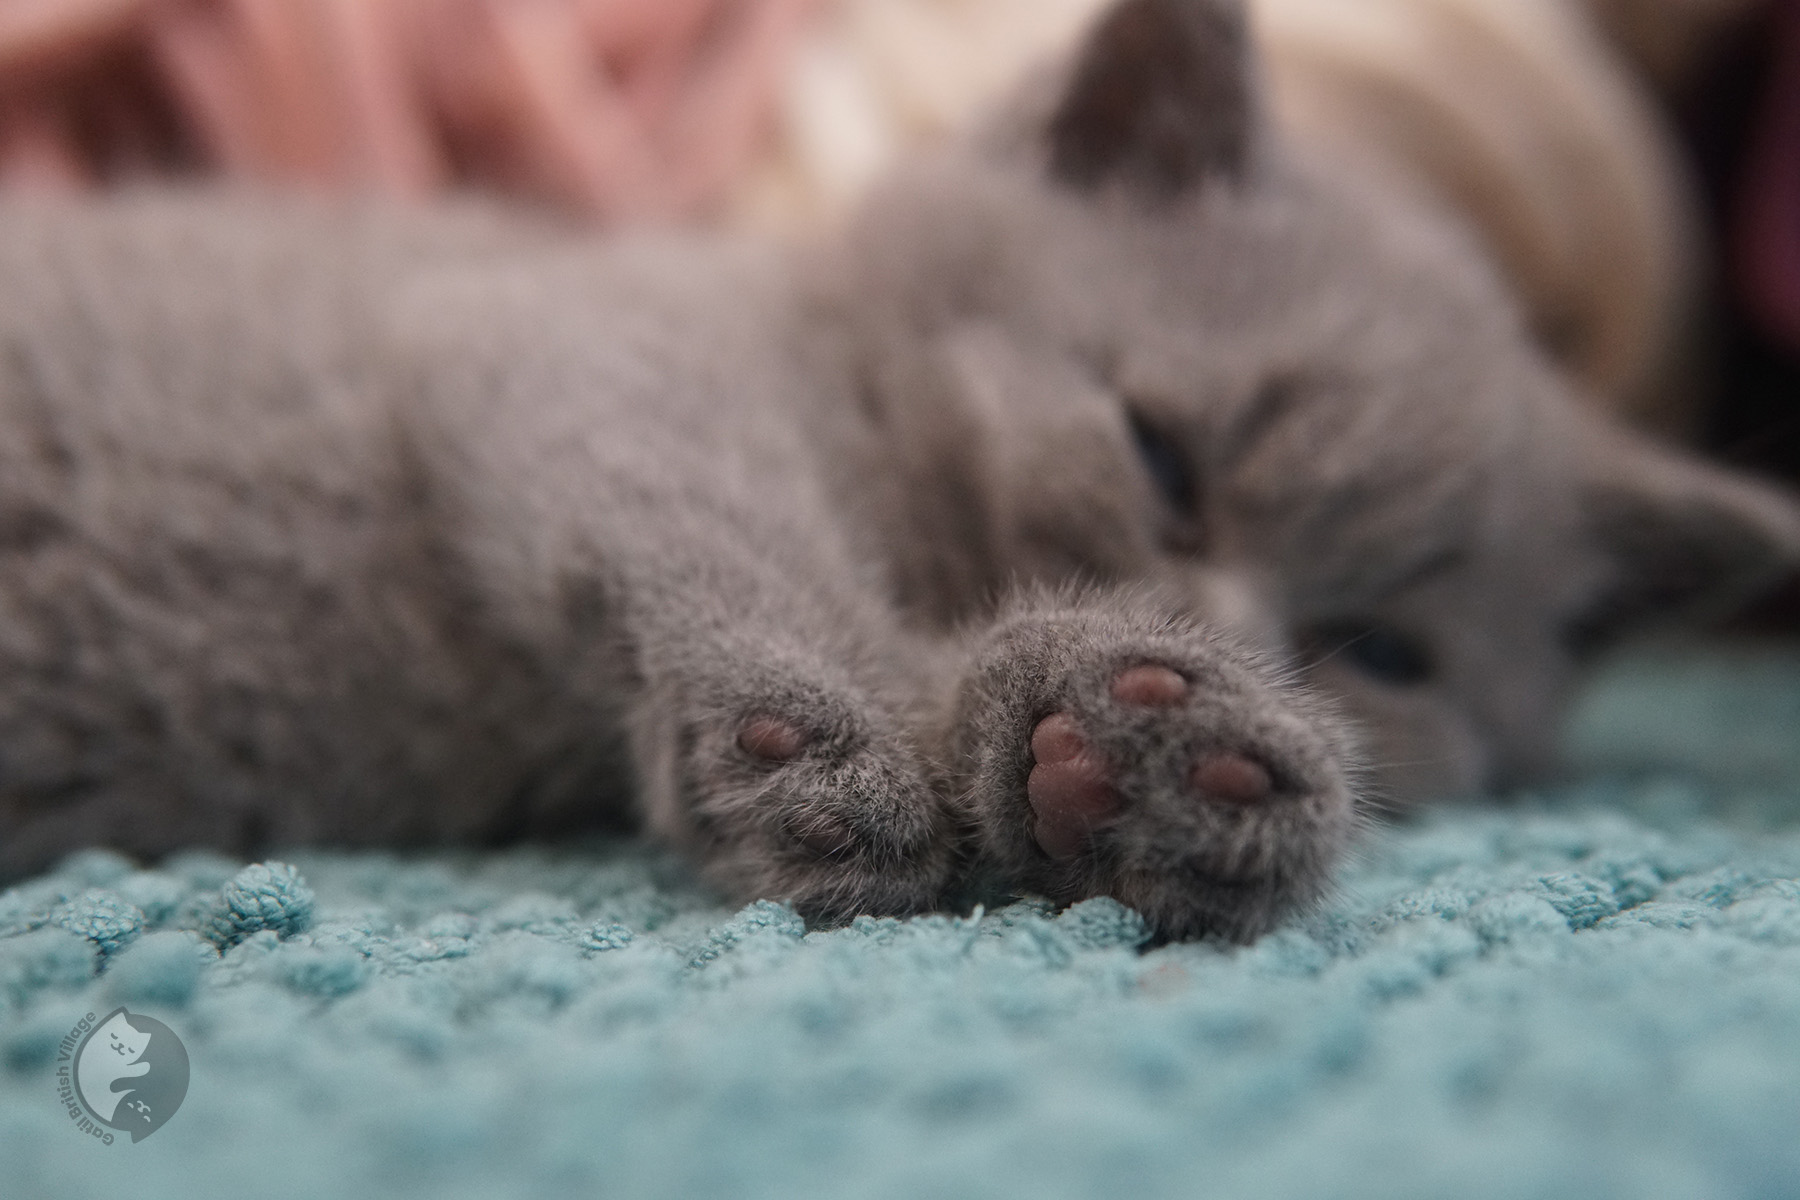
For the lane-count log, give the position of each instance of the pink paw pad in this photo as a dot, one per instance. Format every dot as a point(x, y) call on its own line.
point(1232, 779)
point(1149, 686)
point(772, 739)
point(1069, 791)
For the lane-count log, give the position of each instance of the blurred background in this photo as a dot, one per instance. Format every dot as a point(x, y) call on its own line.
point(1632, 167)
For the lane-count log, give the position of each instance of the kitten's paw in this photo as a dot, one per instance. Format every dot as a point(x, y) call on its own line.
point(810, 799)
point(1105, 752)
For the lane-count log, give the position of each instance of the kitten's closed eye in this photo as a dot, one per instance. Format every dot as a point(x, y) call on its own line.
point(1167, 462)
point(1171, 469)
point(1372, 647)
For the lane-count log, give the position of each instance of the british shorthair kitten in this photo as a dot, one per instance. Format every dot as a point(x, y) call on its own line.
point(1118, 506)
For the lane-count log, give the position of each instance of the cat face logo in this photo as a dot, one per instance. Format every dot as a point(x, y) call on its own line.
point(130, 1074)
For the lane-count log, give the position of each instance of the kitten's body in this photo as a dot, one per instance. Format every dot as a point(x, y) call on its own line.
point(841, 565)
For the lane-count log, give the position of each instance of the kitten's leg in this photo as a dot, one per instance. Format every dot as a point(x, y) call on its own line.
point(660, 542)
point(771, 738)
point(763, 689)
point(1101, 749)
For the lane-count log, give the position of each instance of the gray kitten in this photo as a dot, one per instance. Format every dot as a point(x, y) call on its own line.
point(1037, 529)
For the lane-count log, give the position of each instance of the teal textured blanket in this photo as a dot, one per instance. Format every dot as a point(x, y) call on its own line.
point(1592, 992)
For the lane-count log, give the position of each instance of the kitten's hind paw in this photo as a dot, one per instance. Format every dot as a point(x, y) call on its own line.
point(1104, 751)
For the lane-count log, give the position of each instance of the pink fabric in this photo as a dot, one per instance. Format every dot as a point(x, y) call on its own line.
point(1766, 235)
point(615, 108)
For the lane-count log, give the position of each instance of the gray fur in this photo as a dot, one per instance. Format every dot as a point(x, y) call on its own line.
point(363, 527)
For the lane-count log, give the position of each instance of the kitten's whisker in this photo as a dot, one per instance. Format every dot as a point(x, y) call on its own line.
point(1408, 762)
point(1322, 659)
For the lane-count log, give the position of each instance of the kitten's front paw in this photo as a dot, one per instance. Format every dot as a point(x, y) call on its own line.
point(1106, 752)
point(807, 798)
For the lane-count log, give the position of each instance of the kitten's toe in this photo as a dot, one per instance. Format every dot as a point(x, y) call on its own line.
point(1070, 787)
point(772, 739)
point(821, 809)
point(1227, 778)
point(1149, 685)
point(823, 834)
point(1112, 757)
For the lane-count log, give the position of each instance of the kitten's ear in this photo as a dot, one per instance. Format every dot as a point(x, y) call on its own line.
point(1683, 539)
point(1161, 98)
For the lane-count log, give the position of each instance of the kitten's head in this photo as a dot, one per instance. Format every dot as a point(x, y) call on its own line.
point(1137, 339)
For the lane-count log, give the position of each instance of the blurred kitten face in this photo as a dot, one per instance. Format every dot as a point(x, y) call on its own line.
point(1323, 433)
point(1364, 465)
point(1306, 413)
